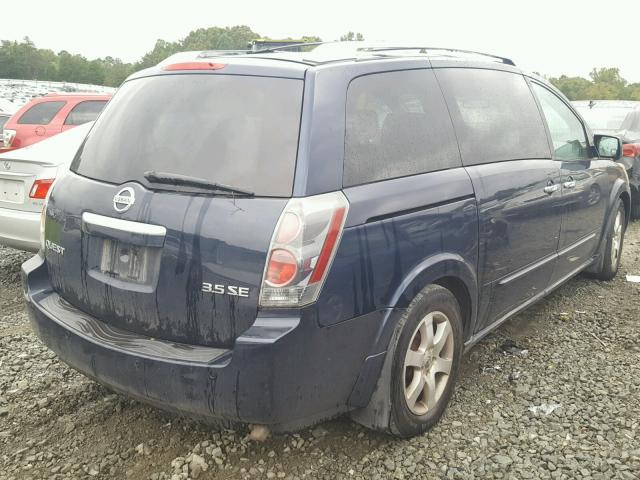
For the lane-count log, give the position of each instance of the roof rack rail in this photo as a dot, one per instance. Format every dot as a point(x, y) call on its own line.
point(504, 60)
point(287, 47)
point(215, 53)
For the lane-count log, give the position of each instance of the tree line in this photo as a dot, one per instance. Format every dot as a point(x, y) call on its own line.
point(23, 60)
point(603, 84)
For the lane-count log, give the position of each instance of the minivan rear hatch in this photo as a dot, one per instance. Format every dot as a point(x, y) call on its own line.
point(178, 188)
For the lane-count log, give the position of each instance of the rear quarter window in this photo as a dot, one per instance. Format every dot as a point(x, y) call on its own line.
point(494, 114)
point(41, 113)
point(397, 125)
point(85, 112)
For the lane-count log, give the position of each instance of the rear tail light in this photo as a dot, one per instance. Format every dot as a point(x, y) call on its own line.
point(631, 150)
point(282, 269)
point(7, 137)
point(43, 220)
point(40, 188)
point(302, 249)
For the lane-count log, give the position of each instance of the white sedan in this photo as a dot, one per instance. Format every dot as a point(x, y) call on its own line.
point(26, 175)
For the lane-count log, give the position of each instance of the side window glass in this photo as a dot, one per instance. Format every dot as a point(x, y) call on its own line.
point(567, 132)
point(41, 113)
point(494, 114)
point(85, 112)
point(397, 124)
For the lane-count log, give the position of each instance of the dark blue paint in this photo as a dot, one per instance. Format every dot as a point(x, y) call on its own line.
point(489, 230)
point(519, 226)
point(209, 239)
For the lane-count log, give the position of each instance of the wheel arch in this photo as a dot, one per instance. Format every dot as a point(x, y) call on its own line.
point(626, 200)
point(620, 190)
point(448, 270)
point(460, 290)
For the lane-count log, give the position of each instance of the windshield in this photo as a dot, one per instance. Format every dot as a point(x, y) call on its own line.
point(239, 131)
point(604, 118)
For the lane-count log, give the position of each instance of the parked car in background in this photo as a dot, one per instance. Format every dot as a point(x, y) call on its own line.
point(7, 106)
point(50, 115)
point(7, 109)
point(620, 118)
point(26, 175)
point(298, 237)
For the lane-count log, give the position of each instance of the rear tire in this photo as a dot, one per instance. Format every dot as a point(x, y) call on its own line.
point(614, 242)
point(418, 379)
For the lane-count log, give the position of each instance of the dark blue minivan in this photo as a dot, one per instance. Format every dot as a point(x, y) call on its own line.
point(278, 238)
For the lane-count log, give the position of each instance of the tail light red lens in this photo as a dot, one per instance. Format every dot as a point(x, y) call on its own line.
point(335, 228)
point(631, 150)
point(40, 188)
point(302, 249)
point(282, 268)
point(43, 221)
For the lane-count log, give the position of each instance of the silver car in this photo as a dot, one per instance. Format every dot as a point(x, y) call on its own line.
point(26, 176)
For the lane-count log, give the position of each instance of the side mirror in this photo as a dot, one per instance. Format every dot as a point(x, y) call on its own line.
point(608, 146)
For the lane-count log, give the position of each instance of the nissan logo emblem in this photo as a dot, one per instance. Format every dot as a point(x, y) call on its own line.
point(124, 199)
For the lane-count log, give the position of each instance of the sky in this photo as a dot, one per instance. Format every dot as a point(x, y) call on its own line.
point(551, 37)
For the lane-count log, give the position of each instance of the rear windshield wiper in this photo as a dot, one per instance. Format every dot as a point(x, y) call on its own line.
point(187, 181)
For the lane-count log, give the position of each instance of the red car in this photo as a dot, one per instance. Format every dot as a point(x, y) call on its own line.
point(49, 115)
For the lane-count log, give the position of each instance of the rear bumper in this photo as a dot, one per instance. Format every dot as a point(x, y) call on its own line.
point(20, 229)
point(284, 371)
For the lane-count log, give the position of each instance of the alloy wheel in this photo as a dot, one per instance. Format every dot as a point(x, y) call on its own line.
point(616, 239)
point(428, 363)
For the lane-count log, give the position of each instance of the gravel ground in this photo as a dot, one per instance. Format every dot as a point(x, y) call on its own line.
point(554, 393)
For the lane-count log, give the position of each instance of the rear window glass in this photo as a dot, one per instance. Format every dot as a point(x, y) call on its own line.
point(239, 131)
point(41, 113)
point(3, 120)
point(85, 112)
point(397, 124)
point(494, 114)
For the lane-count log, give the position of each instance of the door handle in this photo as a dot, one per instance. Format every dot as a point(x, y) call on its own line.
point(570, 183)
point(551, 188)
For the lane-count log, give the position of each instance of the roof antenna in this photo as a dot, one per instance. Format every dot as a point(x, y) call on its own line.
point(592, 104)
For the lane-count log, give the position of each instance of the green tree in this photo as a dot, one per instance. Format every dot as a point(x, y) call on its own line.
point(351, 36)
point(217, 38)
point(610, 76)
point(115, 71)
point(634, 91)
point(605, 84)
point(311, 39)
point(575, 88)
point(23, 60)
